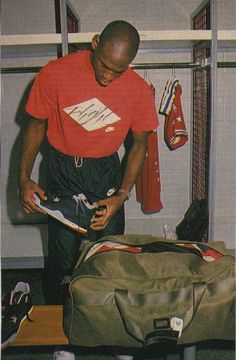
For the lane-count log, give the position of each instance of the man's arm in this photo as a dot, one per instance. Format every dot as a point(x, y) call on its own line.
point(32, 139)
point(135, 162)
point(134, 165)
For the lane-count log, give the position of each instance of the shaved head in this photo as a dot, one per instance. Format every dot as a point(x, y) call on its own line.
point(121, 32)
point(113, 51)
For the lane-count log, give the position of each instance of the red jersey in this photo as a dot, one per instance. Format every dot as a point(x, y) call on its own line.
point(84, 118)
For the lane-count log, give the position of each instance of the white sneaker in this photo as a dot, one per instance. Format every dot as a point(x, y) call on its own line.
point(124, 357)
point(63, 355)
point(169, 232)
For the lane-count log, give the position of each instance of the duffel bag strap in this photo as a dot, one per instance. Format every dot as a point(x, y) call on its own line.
point(161, 326)
point(167, 330)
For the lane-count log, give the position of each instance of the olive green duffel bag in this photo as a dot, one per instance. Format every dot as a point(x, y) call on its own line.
point(137, 290)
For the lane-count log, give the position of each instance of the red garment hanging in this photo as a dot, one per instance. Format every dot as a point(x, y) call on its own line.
point(175, 133)
point(148, 185)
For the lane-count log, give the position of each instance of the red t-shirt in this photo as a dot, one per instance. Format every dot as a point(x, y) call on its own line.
point(84, 118)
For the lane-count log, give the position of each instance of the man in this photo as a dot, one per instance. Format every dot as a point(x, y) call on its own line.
point(85, 103)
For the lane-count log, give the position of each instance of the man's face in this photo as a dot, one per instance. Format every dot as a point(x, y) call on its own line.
point(109, 63)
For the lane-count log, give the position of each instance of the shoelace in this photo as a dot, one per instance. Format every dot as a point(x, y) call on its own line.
point(11, 300)
point(10, 314)
point(8, 301)
point(82, 203)
point(78, 161)
point(79, 203)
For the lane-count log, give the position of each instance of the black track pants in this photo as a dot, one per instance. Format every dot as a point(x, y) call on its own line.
point(96, 178)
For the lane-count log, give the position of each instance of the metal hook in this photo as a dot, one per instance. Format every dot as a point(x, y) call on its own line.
point(173, 67)
point(173, 71)
point(146, 76)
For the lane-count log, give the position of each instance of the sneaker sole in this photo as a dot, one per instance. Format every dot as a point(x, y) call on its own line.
point(13, 336)
point(56, 214)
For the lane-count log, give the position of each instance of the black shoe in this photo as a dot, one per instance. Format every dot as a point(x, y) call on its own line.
point(16, 307)
point(74, 211)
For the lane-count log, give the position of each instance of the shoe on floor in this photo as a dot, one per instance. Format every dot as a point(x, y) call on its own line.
point(16, 306)
point(63, 355)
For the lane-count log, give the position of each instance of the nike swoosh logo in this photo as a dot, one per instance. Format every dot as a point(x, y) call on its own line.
point(109, 129)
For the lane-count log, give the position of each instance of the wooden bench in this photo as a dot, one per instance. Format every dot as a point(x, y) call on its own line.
point(46, 329)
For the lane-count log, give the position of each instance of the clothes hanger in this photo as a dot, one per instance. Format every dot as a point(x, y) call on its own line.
point(150, 83)
point(173, 72)
point(173, 67)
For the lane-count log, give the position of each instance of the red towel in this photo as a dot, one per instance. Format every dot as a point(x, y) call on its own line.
point(175, 133)
point(148, 185)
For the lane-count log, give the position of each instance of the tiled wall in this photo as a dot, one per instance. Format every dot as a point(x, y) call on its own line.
point(174, 166)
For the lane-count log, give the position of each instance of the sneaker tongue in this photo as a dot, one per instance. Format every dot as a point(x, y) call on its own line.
point(16, 297)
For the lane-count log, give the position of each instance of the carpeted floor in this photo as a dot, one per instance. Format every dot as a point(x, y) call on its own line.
point(208, 351)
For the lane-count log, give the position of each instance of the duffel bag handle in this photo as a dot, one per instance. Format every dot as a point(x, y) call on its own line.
point(132, 320)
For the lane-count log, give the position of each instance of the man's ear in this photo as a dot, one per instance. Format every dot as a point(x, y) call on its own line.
point(95, 41)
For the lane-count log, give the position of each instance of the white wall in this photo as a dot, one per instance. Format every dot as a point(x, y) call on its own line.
point(143, 14)
point(20, 239)
point(224, 222)
point(19, 17)
point(27, 17)
point(224, 225)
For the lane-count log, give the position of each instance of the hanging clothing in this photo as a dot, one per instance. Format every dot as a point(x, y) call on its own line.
point(175, 132)
point(168, 96)
point(148, 184)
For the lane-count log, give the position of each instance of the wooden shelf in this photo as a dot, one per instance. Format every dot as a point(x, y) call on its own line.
point(30, 39)
point(178, 35)
point(227, 35)
point(145, 36)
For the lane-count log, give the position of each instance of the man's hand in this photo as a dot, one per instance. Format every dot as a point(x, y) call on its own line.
point(27, 190)
point(134, 164)
point(110, 206)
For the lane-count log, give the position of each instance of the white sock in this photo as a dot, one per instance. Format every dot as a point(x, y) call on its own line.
point(63, 355)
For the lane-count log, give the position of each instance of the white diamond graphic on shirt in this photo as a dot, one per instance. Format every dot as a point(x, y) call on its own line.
point(92, 114)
